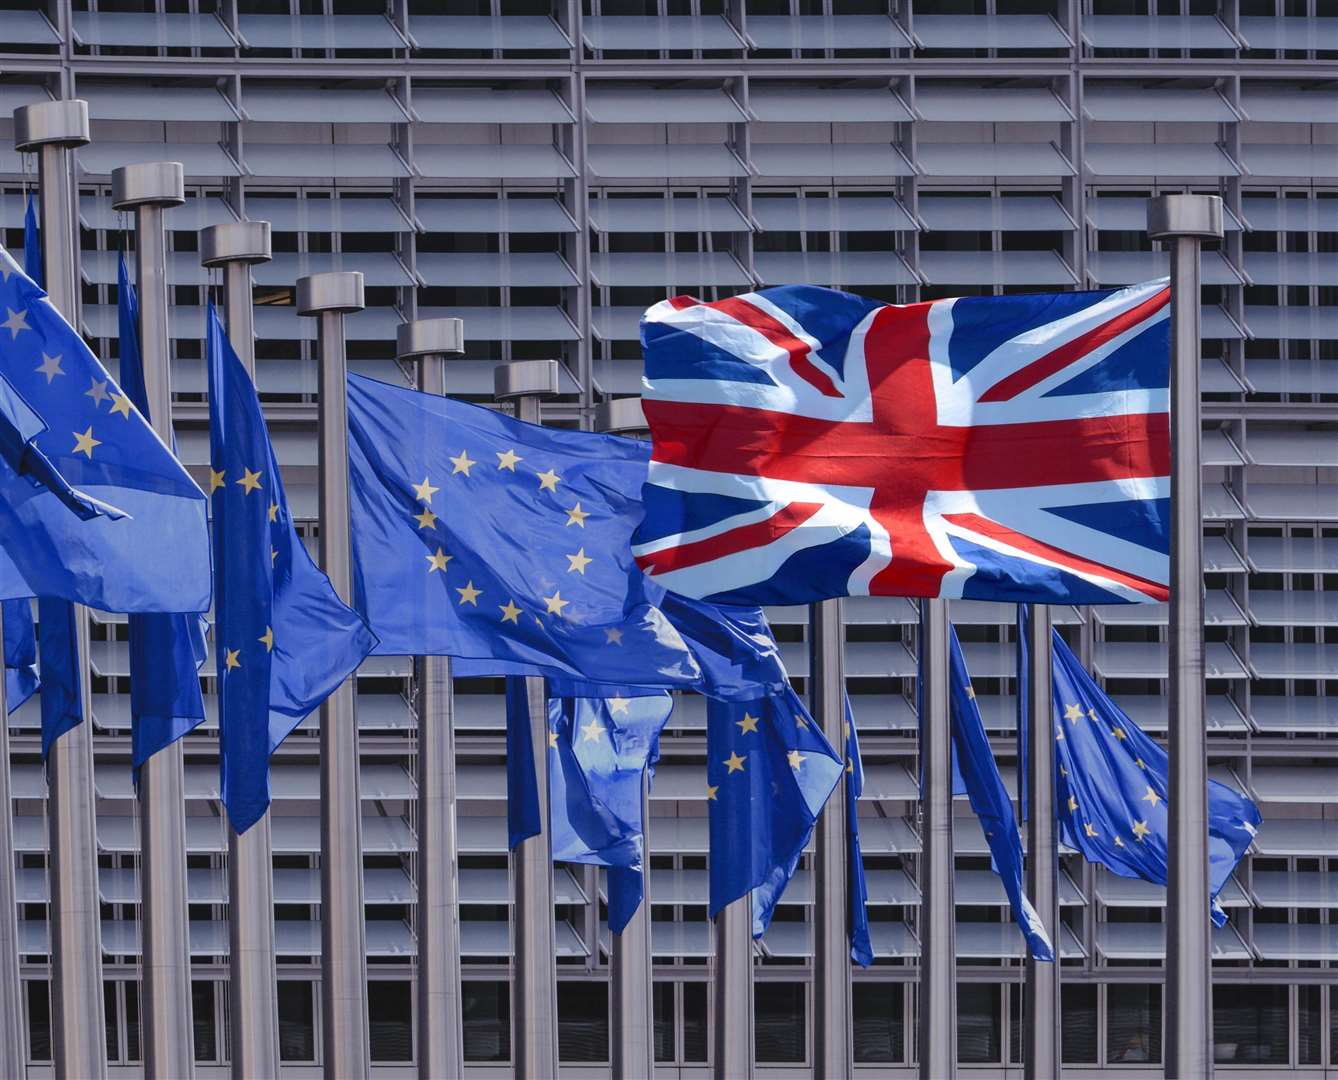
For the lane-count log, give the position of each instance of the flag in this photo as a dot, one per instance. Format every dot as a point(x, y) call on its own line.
point(32, 245)
point(809, 443)
point(155, 557)
point(1112, 787)
point(166, 650)
point(989, 799)
point(283, 640)
point(861, 944)
point(20, 653)
point(523, 815)
point(769, 772)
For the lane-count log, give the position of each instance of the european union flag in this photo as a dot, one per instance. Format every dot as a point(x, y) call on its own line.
point(166, 650)
point(283, 638)
point(1112, 786)
point(769, 772)
point(20, 653)
point(984, 787)
point(861, 944)
point(156, 558)
point(32, 245)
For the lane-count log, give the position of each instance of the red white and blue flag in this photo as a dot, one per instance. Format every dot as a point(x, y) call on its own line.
point(809, 443)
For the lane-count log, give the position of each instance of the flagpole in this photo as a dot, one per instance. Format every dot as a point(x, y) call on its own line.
point(938, 928)
point(440, 1018)
point(1185, 221)
point(149, 189)
point(527, 382)
point(732, 1046)
point(631, 965)
point(53, 129)
point(1041, 1059)
point(832, 1050)
point(252, 974)
point(13, 1053)
point(344, 1033)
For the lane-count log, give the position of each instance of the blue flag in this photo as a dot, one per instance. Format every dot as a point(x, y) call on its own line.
point(523, 816)
point(989, 799)
point(283, 639)
point(32, 245)
point(769, 772)
point(166, 651)
point(156, 557)
point(861, 944)
point(20, 653)
point(1112, 786)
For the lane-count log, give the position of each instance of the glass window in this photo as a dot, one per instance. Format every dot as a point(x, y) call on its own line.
point(39, 1020)
point(1133, 1023)
point(694, 1021)
point(1308, 1024)
point(1250, 1025)
point(880, 1022)
point(1077, 1034)
point(664, 1008)
point(979, 1023)
point(390, 1019)
point(297, 1021)
point(487, 1021)
point(583, 1021)
point(112, 1027)
point(131, 1020)
point(206, 1030)
point(781, 1021)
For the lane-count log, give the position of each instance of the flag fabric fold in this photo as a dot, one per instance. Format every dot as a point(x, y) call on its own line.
point(861, 943)
point(20, 653)
point(283, 640)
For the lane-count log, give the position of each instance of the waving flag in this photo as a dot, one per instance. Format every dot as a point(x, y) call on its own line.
point(861, 944)
point(20, 653)
point(809, 443)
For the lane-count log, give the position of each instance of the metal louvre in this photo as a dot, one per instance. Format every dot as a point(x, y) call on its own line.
point(139, 29)
point(317, 32)
point(1159, 159)
point(1277, 104)
point(785, 160)
point(303, 103)
point(648, 103)
point(835, 32)
point(1290, 32)
point(832, 268)
point(126, 100)
point(976, 213)
point(1291, 215)
point(28, 28)
point(340, 161)
point(479, 160)
point(677, 161)
point(992, 159)
point(1129, 214)
point(1283, 160)
point(985, 267)
point(714, 213)
point(466, 33)
point(661, 33)
point(489, 215)
point(1128, 267)
point(782, 103)
point(484, 105)
point(1004, 32)
point(944, 101)
point(666, 268)
point(1146, 33)
point(1126, 101)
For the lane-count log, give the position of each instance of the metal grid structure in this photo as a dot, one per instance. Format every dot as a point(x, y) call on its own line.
point(546, 173)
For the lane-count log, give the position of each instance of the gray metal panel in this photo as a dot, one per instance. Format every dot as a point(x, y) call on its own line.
point(783, 160)
point(346, 214)
point(200, 160)
point(1304, 715)
point(1278, 104)
point(1130, 214)
point(1005, 32)
point(378, 268)
point(987, 267)
point(1274, 660)
point(466, 33)
point(1137, 102)
point(1147, 660)
point(649, 103)
point(27, 28)
point(849, 213)
point(1301, 34)
point(1128, 267)
point(1308, 837)
point(1220, 609)
point(1292, 267)
point(715, 213)
point(340, 161)
point(1298, 375)
point(953, 101)
point(509, 323)
point(796, 103)
point(1301, 783)
point(991, 159)
point(145, 30)
point(618, 324)
point(196, 213)
point(487, 160)
point(1294, 555)
point(485, 105)
point(1294, 608)
point(1115, 891)
point(124, 99)
point(980, 213)
point(486, 215)
point(1159, 32)
point(834, 32)
point(319, 32)
point(1158, 159)
point(833, 268)
point(1291, 215)
point(661, 33)
point(1306, 942)
point(1147, 942)
point(668, 268)
point(17, 94)
point(1278, 160)
point(297, 102)
point(1293, 502)
point(1295, 888)
point(1300, 447)
point(680, 160)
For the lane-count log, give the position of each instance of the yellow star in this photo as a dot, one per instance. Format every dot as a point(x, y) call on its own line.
point(1059, 734)
point(120, 404)
point(437, 561)
point(618, 705)
point(552, 740)
point(548, 481)
point(592, 731)
point(273, 554)
point(1091, 714)
point(1119, 733)
point(507, 459)
point(274, 511)
point(735, 763)
point(510, 613)
point(555, 602)
point(427, 519)
point(424, 491)
point(83, 444)
point(801, 721)
point(98, 392)
point(216, 480)
point(18, 320)
point(1073, 712)
point(747, 724)
point(850, 767)
point(267, 639)
point(971, 692)
point(250, 480)
point(469, 594)
point(1151, 797)
point(1140, 830)
point(50, 367)
point(1063, 771)
point(577, 516)
point(795, 758)
point(845, 730)
point(1119, 842)
point(613, 636)
point(232, 658)
point(711, 789)
point(462, 463)
point(1140, 763)
point(1087, 828)
point(1073, 804)
point(578, 562)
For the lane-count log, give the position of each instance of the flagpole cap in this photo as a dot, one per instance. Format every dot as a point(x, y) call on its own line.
point(621, 416)
point(429, 337)
point(338, 290)
point(526, 378)
point(1171, 216)
point(235, 242)
point(152, 183)
point(46, 123)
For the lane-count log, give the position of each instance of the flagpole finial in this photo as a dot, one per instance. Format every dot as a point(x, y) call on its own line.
point(245, 242)
point(1185, 215)
point(151, 183)
point(526, 378)
point(621, 416)
point(430, 337)
point(48, 123)
point(338, 290)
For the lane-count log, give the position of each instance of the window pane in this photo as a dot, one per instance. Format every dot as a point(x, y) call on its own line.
point(297, 1021)
point(1133, 1023)
point(979, 1023)
point(1308, 1021)
point(132, 1021)
point(1250, 1025)
point(583, 1021)
point(879, 1015)
point(202, 1007)
point(487, 1020)
point(663, 1004)
point(1077, 1033)
point(110, 1010)
point(694, 1021)
point(781, 1024)
point(390, 1019)
point(1016, 1042)
point(39, 1020)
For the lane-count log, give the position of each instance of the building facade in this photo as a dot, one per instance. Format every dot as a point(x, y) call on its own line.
point(546, 169)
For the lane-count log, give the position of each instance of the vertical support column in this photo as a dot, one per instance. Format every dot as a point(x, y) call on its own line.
point(53, 129)
point(632, 1006)
point(1185, 221)
point(440, 1020)
point(344, 1038)
point(13, 1051)
point(1042, 1054)
point(253, 1005)
point(527, 382)
point(938, 927)
point(148, 190)
point(732, 1043)
point(832, 1049)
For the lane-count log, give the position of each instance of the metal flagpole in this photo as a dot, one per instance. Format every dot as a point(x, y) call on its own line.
point(53, 129)
point(631, 966)
point(13, 1053)
point(344, 1035)
point(148, 190)
point(1185, 221)
point(1041, 1059)
point(440, 1018)
point(938, 927)
point(535, 1010)
point(832, 1050)
point(732, 1045)
point(253, 977)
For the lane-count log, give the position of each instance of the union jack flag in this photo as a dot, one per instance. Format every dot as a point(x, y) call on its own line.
point(809, 443)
